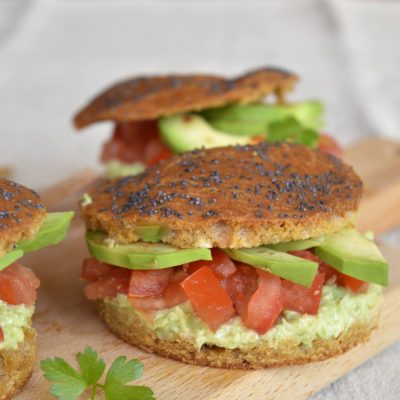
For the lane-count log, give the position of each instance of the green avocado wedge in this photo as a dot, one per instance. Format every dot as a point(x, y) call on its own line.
point(297, 245)
point(151, 233)
point(255, 119)
point(185, 132)
point(142, 255)
point(353, 254)
point(51, 232)
point(292, 268)
point(9, 258)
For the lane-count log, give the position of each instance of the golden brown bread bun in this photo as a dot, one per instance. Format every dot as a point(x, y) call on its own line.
point(149, 97)
point(242, 196)
point(16, 366)
point(21, 214)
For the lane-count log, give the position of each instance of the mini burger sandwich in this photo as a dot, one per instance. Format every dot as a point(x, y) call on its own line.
point(235, 257)
point(25, 226)
point(157, 116)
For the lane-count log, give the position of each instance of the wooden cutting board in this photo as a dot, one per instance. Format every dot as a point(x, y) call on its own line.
point(67, 323)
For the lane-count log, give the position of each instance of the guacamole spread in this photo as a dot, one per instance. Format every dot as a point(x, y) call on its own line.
point(13, 319)
point(339, 309)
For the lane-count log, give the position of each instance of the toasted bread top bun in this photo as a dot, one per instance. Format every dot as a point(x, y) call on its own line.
point(242, 196)
point(21, 214)
point(149, 97)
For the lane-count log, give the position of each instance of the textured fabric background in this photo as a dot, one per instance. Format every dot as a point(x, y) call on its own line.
point(56, 54)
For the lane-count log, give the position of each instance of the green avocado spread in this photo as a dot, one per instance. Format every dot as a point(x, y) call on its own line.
point(13, 319)
point(116, 168)
point(339, 309)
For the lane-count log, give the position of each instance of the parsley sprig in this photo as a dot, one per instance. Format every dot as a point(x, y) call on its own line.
point(70, 383)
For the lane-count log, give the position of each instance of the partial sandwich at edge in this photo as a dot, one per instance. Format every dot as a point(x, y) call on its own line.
point(25, 226)
point(157, 116)
point(235, 257)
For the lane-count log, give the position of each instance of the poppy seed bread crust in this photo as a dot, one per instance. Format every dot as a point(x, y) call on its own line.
point(233, 197)
point(21, 214)
point(150, 97)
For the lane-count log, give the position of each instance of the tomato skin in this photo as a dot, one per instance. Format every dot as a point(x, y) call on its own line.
point(162, 155)
point(301, 299)
point(18, 285)
point(93, 269)
point(266, 304)
point(208, 298)
point(174, 293)
point(327, 144)
point(171, 296)
point(137, 141)
point(111, 284)
point(145, 283)
point(241, 286)
point(333, 275)
point(221, 264)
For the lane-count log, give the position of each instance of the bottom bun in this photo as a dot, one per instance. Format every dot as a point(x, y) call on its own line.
point(126, 324)
point(16, 366)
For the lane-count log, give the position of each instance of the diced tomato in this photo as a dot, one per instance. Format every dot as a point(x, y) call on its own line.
point(332, 274)
point(174, 293)
point(93, 269)
point(18, 285)
point(149, 283)
point(265, 305)
point(208, 298)
point(301, 299)
point(353, 284)
point(241, 286)
point(1, 335)
point(307, 254)
point(134, 142)
point(221, 264)
point(109, 285)
point(162, 155)
point(148, 304)
point(328, 144)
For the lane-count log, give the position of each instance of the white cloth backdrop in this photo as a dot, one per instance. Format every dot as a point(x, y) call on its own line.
point(55, 54)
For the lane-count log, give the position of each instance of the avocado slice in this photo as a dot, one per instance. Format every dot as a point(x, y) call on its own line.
point(141, 255)
point(296, 245)
point(292, 268)
point(254, 119)
point(9, 258)
point(352, 253)
point(52, 231)
point(151, 233)
point(184, 132)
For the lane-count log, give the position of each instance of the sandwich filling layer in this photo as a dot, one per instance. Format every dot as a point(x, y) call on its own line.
point(338, 311)
point(13, 320)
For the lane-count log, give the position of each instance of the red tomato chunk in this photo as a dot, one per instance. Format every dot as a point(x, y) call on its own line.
point(208, 298)
point(18, 285)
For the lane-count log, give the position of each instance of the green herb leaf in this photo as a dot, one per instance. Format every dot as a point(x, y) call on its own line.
point(91, 365)
point(292, 131)
point(68, 383)
point(118, 392)
point(122, 372)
